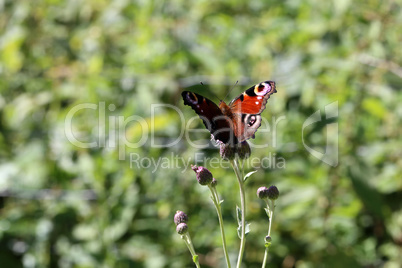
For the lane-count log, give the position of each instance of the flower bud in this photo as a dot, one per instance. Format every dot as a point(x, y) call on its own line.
point(182, 228)
point(204, 176)
point(180, 217)
point(273, 192)
point(262, 192)
point(227, 151)
point(268, 239)
point(243, 150)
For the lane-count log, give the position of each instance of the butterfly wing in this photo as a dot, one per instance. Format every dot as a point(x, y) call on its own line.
point(248, 106)
point(214, 120)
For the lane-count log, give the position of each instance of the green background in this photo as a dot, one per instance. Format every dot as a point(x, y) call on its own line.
point(62, 205)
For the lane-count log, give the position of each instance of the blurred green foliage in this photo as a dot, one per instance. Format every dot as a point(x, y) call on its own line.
point(62, 205)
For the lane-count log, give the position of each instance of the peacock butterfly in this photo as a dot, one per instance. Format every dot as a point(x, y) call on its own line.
point(237, 121)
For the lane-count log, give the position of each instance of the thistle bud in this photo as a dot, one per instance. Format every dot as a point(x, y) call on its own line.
point(262, 192)
point(182, 228)
point(243, 150)
point(227, 151)
point(273, 192)
point(180, 217)
point(204, 176)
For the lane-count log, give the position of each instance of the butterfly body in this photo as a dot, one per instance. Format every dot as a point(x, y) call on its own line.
point(225, 109)
point(234, 122)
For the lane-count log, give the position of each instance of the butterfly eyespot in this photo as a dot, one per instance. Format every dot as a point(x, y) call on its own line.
point(251, 120)
point(262, 89)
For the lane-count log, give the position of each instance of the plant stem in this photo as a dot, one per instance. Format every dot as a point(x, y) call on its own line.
point(271, 215)
point(189, 243)
point(243, 211)
point(215, 199)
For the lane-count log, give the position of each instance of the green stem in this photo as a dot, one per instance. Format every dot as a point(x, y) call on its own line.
point(271, 215)
point(243, 211)
point(216, 201)
point(189, 244)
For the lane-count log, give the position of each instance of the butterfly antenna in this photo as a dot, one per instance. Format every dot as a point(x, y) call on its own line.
point(211, 92)
point(231, 89)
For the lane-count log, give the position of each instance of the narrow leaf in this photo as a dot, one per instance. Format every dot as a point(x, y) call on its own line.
point(238, 213)
point(249, 174)
point(239, 228)
point(247, 230)
point(267, 211)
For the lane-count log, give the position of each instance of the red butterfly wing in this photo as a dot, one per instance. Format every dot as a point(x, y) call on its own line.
point(247, 107)
point(254, 99)
point(214, 120)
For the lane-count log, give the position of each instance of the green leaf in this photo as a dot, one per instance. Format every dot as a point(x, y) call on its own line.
point(249, 174)
point(267, 211)
point(246, 231)
point(247, 228)
point(239, 232)
point(239, 228)
point(238, 213)
point(370, 197)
